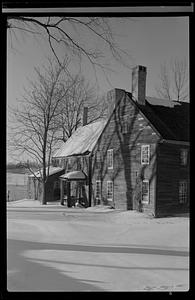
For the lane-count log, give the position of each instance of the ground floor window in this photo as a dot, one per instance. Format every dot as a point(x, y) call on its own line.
point(109, 190)
point(183, 191)
point(98, 190)
point(145, 191)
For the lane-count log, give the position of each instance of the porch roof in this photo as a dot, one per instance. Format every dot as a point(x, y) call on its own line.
point(74, 175)
point(52, 171)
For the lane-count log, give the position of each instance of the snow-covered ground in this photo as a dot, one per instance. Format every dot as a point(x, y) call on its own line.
point(108, 249)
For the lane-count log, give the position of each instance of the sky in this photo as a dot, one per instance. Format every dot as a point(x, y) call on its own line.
point(150, 41)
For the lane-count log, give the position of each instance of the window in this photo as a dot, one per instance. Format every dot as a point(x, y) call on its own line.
point(79, 163)
point(98, 160)
point(69, 163)
point(98, 190)
point(110, 158)
point(109, 190)
point(145, 154)
point(183, 191)
point(125, 127)
point(183, 157)
point(145, 191)
point(59, 162)
point(56, 184)
point(54, 163)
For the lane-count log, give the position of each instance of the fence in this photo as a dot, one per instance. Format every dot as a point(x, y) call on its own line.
point(17, 186)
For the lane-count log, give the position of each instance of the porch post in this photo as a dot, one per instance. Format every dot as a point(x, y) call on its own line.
point(61, 192)
point(68, 194)
point(89, 181)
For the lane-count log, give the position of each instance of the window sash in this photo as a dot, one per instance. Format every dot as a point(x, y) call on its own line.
point(183, 157)
point(183, 191)
point(98, 160)
point(145, 154)
point(98, 189)
point(145, 192)
point(109, 190)
point(125, 127)
point(69, 163)
point(110, 158)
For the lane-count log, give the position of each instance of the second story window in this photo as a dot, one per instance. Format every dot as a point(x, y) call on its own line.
point(125, 127)
point(145, 154)
point(110, 159)
point(98, 160)
point(184, 157)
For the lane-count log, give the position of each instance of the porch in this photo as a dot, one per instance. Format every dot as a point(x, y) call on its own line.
point(74, 189)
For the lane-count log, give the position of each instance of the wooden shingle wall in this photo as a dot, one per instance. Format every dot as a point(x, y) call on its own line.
point(170, 172)
point(127, 171)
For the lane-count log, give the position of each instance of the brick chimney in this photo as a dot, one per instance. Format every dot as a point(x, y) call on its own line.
point(113, 96)
point(139, 84)
point(85, 115)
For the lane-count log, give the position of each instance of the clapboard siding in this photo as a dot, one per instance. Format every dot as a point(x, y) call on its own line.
point(169, 173)
point(127, 157)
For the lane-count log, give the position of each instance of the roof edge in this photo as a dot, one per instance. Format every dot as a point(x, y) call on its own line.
point(175, 142)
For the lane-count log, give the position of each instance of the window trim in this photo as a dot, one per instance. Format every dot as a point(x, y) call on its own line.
point(69, 163)
point(148, 160)
point(110, 182)
point(183, 160)
point(110, 151)
point(125, 127)
point(98, 181)
point(184, 194)
point(98, 159)
point(148, 201)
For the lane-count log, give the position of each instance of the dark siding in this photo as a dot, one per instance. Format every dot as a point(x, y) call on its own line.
point(34, 190)
point(127, 157)
point(170, 172)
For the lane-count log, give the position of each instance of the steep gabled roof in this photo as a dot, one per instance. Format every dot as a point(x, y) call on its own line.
point(171, 118)
point(82, 141)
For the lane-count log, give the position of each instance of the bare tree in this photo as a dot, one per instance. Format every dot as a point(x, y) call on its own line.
point(74, 35)
point(34, 123)
point(173, 83)
point(79, 95)
point(50, 111)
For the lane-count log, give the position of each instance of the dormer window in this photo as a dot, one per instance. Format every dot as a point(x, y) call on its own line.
point(145, 154)
point(184, 157)
point(110, 159)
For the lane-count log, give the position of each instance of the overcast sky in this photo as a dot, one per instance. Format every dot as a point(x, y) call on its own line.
point(149, 40)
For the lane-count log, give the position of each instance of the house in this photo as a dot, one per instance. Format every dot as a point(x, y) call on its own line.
point(137, 159)
point(52, 188)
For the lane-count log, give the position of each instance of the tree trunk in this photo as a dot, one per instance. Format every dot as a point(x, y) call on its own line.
point(43, 194)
